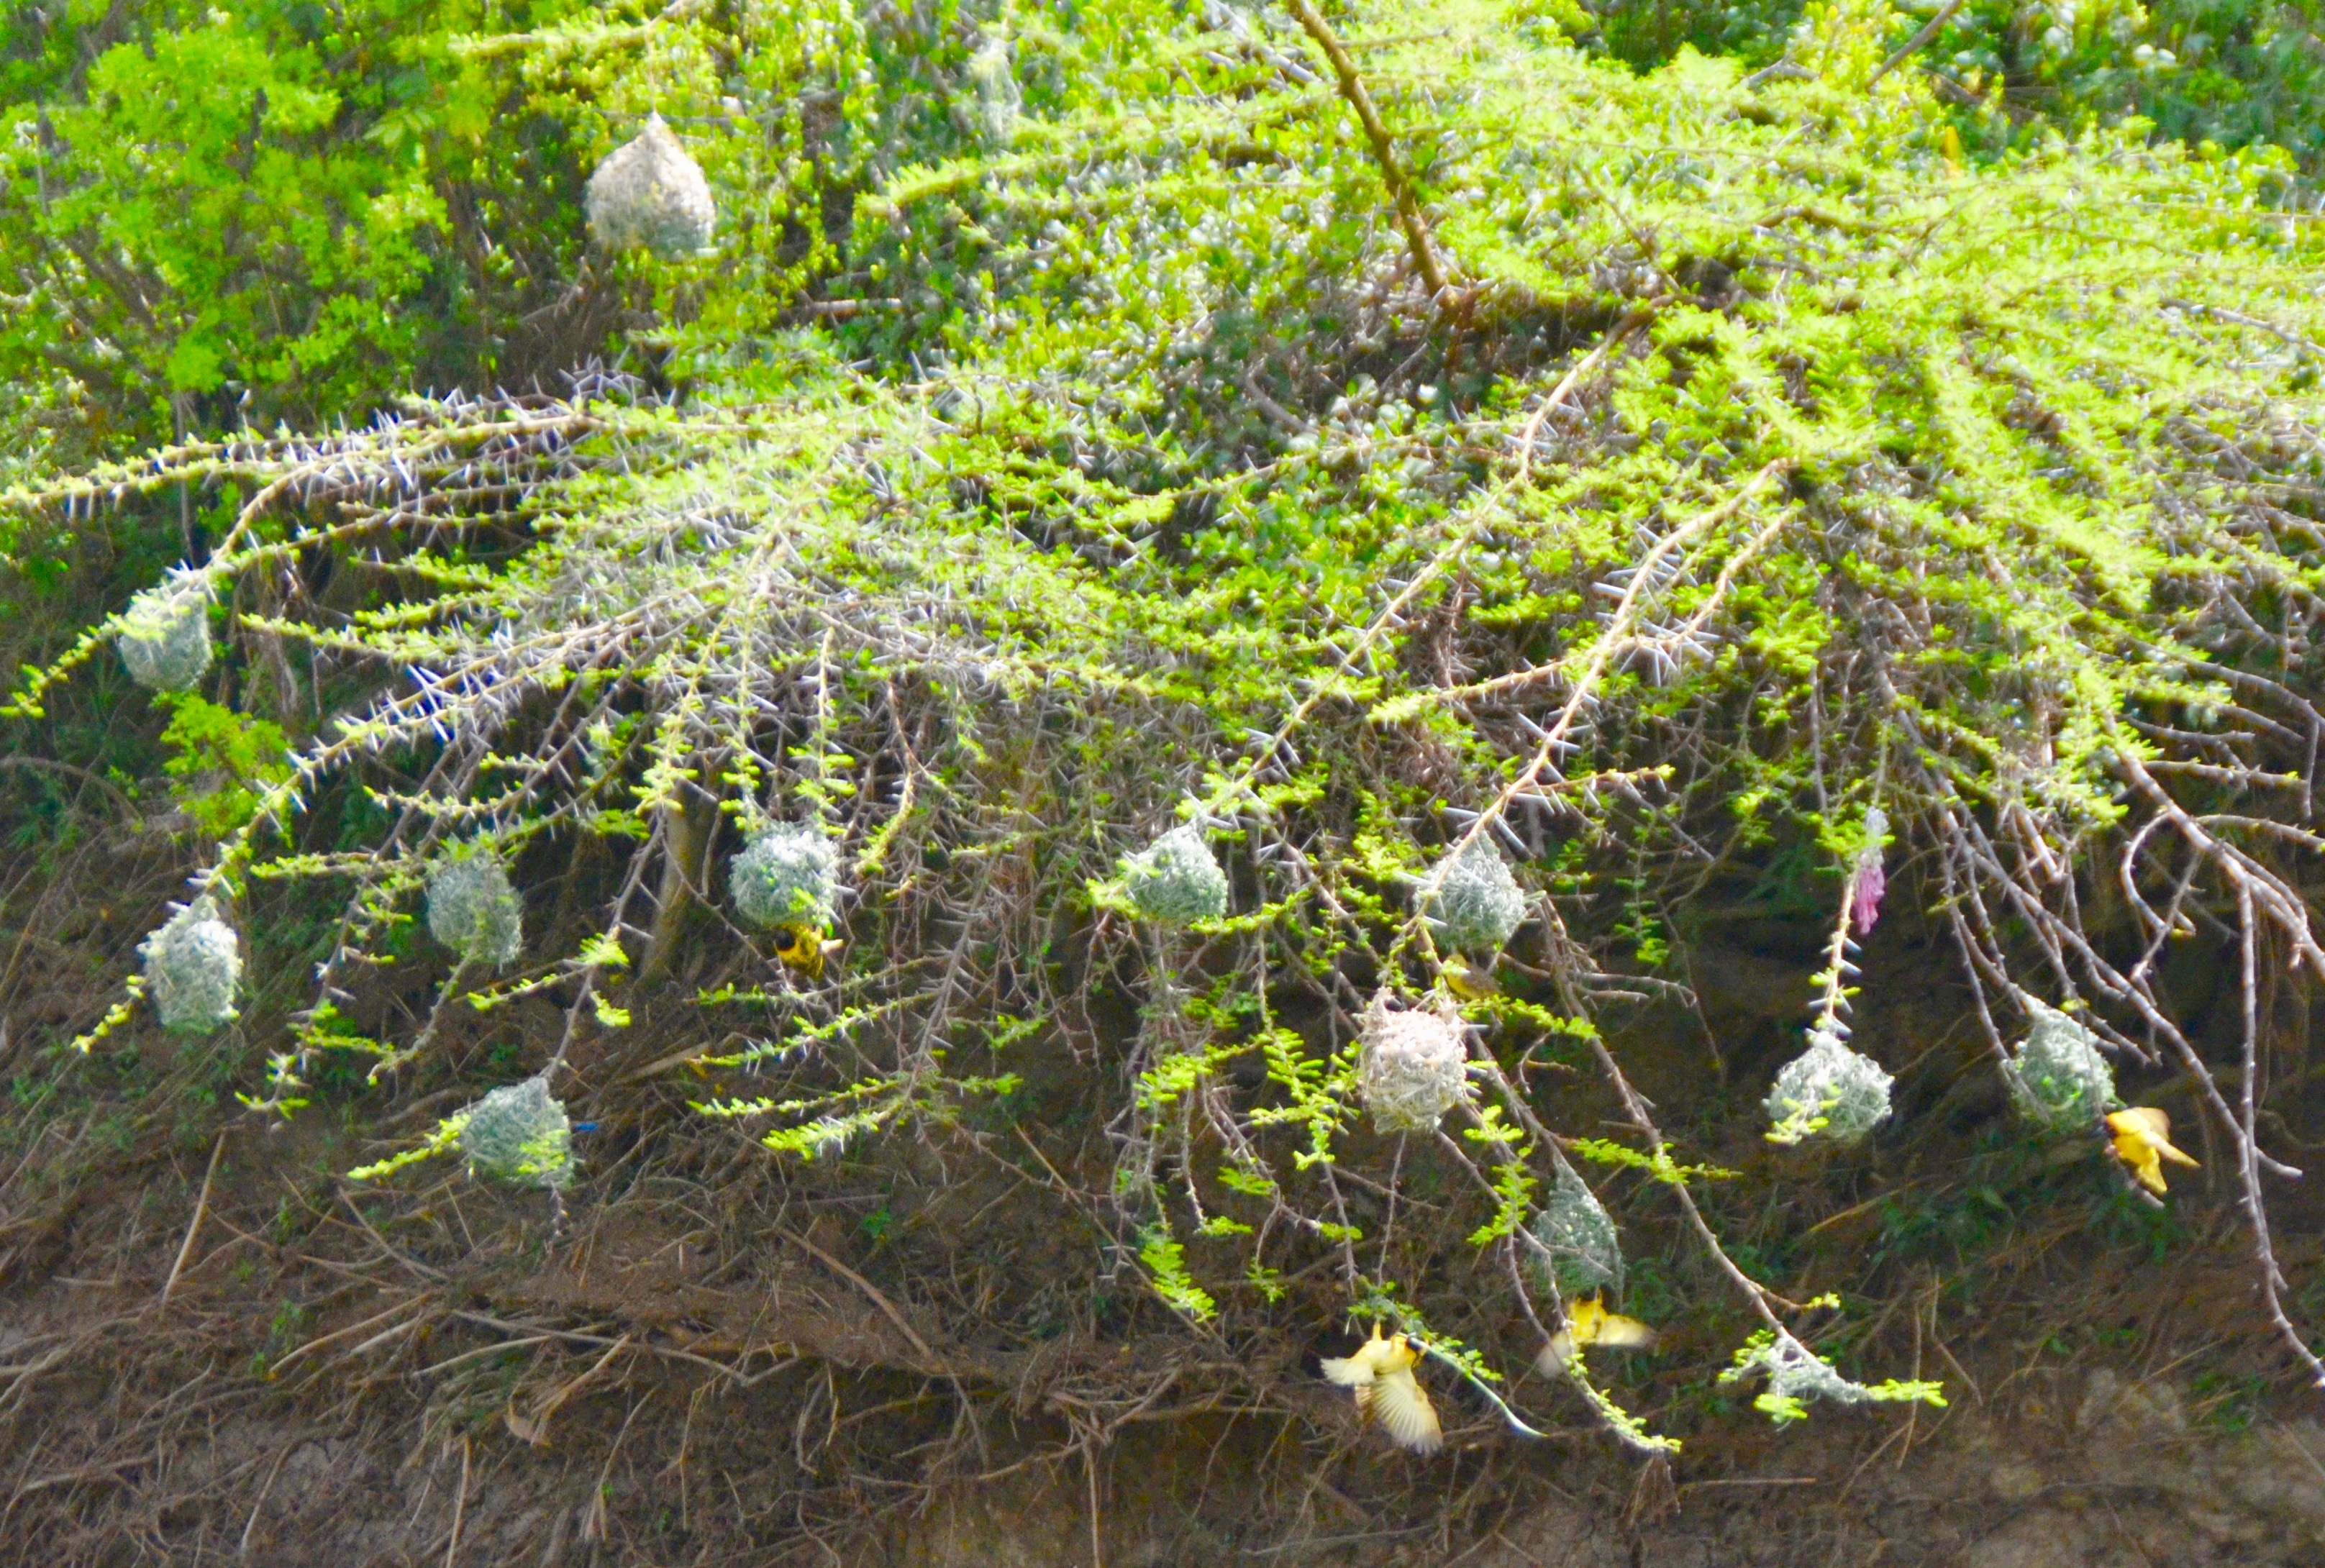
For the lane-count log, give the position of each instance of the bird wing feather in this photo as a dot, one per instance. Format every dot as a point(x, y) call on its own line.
point(1551, 1363)
point(1403, 1411)
point(1349, 1372)
point(1625, 1333)
point(2140, 1155)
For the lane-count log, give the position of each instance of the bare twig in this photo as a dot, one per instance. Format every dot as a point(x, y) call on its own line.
point(193, 1227)
point(1913, 45)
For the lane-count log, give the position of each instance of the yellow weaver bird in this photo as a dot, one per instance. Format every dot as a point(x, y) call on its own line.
point(1469, 980)
point(1381, 1373)
point(2143, 1141)
point(804, 948)
point(1590, 1324)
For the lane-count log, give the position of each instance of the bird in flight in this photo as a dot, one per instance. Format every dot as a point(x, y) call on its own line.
point(1590, 1324)
point(1381, 1373)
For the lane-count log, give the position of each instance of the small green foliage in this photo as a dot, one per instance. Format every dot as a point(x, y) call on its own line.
point(1165, 1260)
point(225, 763)
point(1660, 1165)
point(282, 1084)
point(443, 1139)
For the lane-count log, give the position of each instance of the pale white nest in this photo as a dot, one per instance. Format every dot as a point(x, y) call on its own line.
point(2058, 1075)
point(1478, 902)
point(1827, 1092)
point(788, 875)
point(193, 964)
point(650, 195)
point(1414, 1067)
point(165, 639)
point(473, 911)
point(520, 1133)
point(1176, 878)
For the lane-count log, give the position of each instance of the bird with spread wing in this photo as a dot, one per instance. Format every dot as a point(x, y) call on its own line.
point(1589, 1325)
point(1381, 1374)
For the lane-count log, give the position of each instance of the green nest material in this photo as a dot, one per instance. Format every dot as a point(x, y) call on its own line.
point(1575, 1229)
point(2059, 1076)
point(1414, 1066)
point(1478, 902)
point(193, 965)
point(789, 875)
point(649, 194)
point(165, 637)
point(1797, 1374)
point(1176, 878)
point(1827, 1092)
point(473, 911)
point(520, 1133)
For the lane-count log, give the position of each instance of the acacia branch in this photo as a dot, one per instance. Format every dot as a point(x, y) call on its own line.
point(1400, 187)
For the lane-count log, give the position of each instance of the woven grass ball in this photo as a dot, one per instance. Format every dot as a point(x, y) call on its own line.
point(1478, 902)
point(1827, 1092)
point(788, 875)
point(520, 1133)
point(1176, 878)
point(193, 964)
point(650, 195)
point(2059, 1076)
point(473, 911)
point(1579, 1234)
point(165, 638)
point(1414, 1067)
point(998, 98)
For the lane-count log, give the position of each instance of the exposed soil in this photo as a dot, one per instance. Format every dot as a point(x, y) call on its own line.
point(213, 1347)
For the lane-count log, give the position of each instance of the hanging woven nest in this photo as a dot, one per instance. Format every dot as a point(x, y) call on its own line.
point(1413, 1068)
point(520, 1133)
point(1827, 1092)
point(473, 910)
point(1575, 1229)
point(2058, 1076)
point(650, 195)
point(164, 639)
point(787, 875)
point(1476, 904)
point(193, 965)
point(1176, 878)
